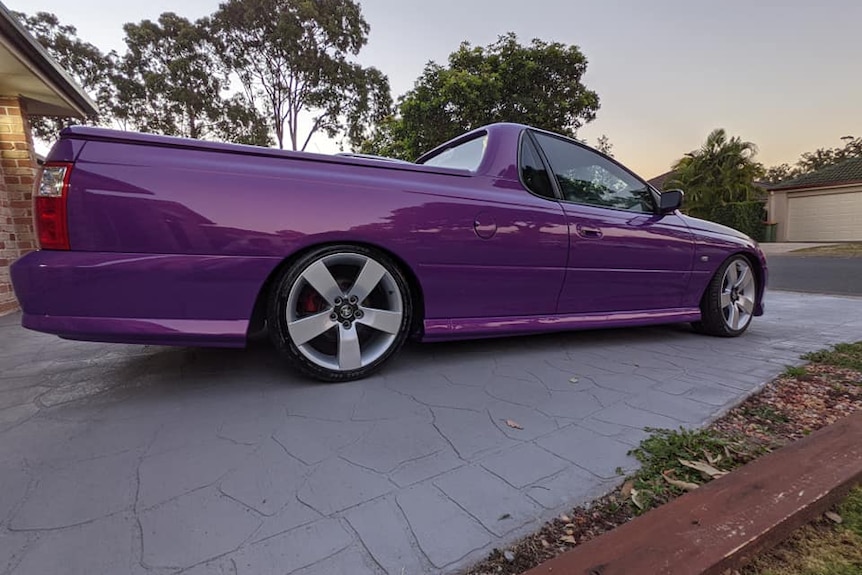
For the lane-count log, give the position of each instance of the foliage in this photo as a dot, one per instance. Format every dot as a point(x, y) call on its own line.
point(170, 83)
point(816, 160)
point(539, 84)
point(603, 144)
point(292, 57)
point(847, 355)
point(722, 171)
point(747, 217)
point(89, 66)
point(660, 456)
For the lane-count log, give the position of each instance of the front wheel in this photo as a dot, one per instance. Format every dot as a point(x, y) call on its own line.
point(728, 303)
point(340, 312)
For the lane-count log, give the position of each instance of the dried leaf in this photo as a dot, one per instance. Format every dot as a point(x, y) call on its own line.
point(626, 489)
point(573, 380)
point(568, 539)
point(685, 485)
point(636, 498)
point(565, 518)
point(545, 543)
point(705, 468)
point(834, 517)
point(514, 424)
point(712, 460)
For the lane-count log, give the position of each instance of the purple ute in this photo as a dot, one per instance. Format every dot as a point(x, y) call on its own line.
point(505, 230)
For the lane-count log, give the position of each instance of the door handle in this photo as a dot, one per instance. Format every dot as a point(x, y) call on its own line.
point(589, 232)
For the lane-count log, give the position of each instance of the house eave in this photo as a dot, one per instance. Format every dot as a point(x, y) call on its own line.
point(68, 99)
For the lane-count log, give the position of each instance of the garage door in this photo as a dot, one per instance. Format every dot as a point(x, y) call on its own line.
point(824, 217)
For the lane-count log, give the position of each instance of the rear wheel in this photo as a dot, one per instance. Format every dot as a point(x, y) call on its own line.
point(728, 304)
point(340, 312)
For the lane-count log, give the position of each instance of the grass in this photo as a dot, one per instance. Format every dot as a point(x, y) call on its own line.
point(660, 455)
point(847, 355)
point(765, 413)
point(793, 371)
point(821, 548)
point(850, 249)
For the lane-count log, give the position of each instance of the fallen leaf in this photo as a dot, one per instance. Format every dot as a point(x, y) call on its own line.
point(636, 498)
point(574, 380)
point(705, 468)
point(565, 518)
point(568, 539)
point(545, 543)
point(834, 517)
point(510, 557)
point(514, 424)
point(626, 489)
point(685, 485)
point(712, 460)
point(504, 516)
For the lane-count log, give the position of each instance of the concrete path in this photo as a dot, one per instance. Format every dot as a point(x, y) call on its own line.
point(781, 248)
point(131, 459)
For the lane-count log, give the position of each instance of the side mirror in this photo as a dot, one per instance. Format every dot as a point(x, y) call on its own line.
point(670, 200)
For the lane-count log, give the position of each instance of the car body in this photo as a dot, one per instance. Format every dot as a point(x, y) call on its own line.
point(506, 230)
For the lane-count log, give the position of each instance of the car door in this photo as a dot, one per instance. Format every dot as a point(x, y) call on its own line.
point(624, 255)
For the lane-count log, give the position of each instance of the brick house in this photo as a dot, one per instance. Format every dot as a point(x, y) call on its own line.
point(31, 84)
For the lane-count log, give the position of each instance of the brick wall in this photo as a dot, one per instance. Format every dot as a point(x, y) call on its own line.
point(17, 176)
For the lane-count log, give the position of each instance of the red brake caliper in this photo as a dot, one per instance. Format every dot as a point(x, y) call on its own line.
point(311, 302)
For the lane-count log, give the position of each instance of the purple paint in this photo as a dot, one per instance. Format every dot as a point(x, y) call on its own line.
point(172, 242)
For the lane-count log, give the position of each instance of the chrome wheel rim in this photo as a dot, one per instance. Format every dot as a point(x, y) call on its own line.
point(738, 294)
point(344, 312)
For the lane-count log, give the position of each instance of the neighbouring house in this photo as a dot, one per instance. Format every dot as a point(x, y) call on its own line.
point(823, 206)
point(31, 84)
point(658, 181)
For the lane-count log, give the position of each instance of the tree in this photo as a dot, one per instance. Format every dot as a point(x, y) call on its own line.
point(539, 84)
point(170, 82)
point(722, 171)
point(88, 65)
point(816, 160)
point(603, 144)
point(293, 60)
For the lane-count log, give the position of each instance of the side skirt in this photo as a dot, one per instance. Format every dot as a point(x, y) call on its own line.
point(476, 328)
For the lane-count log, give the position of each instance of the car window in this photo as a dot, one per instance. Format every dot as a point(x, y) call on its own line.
point(533, 172)
point(586, 177)
point(465, 156)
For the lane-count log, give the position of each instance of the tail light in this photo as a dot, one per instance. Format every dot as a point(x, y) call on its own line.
point(52, 190)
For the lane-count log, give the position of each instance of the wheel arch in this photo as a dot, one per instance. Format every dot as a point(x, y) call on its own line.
point(760, 275)
point(257, 322)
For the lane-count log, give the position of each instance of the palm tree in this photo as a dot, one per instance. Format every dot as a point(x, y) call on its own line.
point(722, 171)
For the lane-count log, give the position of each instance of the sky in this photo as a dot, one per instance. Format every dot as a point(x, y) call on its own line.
point(784, 74)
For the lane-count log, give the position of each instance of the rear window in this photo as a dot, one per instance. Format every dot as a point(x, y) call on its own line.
point(464, 156)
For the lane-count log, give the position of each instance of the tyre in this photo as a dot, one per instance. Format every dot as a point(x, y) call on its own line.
point(339, 312)
point(728, 303)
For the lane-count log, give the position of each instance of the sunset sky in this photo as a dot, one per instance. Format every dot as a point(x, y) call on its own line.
point(786, 75)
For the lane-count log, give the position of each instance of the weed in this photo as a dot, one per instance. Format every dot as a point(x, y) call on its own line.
point(847, 355)
point(793, 371)
point(764, 413)
point(660, 455)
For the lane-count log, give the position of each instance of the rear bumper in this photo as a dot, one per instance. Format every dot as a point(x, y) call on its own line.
point(140, 298)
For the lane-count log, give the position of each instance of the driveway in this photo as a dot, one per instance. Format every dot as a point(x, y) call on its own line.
point(822, 274)
point(132, 459)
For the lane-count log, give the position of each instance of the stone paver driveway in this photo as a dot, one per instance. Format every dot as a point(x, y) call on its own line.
point(130, 459)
